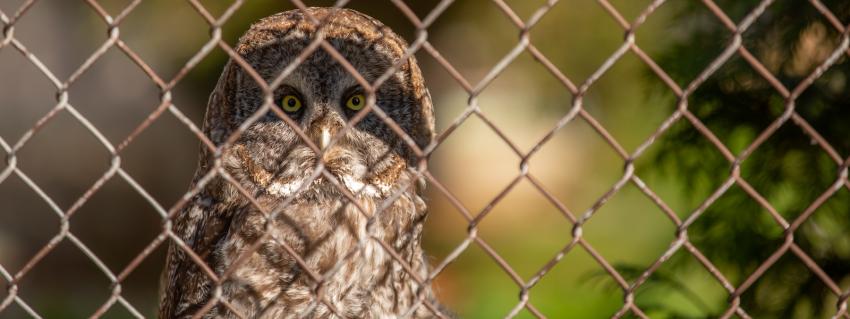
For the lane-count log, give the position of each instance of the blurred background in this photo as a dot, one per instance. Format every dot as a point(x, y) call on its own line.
point(577, 166)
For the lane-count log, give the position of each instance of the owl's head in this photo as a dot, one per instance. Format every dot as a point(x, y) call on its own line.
point(320, 96)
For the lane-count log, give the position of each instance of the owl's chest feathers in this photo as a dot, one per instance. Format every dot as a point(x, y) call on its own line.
point(336, 240)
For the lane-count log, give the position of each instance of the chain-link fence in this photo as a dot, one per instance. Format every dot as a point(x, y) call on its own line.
point(420, 44)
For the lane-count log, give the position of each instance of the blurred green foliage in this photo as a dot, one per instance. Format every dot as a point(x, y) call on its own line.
point(789, 170)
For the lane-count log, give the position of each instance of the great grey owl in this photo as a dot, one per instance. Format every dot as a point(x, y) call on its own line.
point(271, 162)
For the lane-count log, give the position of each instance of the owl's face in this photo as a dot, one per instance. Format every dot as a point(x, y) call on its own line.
point(321, 97)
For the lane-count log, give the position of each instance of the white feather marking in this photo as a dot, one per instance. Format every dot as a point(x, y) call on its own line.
point(284, 189)
point(356, 186)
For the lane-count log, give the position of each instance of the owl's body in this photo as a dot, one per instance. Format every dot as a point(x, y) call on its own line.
point(360, 279)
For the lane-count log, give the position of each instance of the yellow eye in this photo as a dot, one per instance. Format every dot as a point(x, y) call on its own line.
point(356, 102)
point(290, 103)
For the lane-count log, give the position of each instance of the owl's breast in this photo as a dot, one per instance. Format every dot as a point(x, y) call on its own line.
point(338, 243)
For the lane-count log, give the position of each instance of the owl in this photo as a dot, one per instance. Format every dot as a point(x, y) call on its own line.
point(258, 244)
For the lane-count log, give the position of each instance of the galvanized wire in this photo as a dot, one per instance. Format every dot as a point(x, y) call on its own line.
point(576, 112)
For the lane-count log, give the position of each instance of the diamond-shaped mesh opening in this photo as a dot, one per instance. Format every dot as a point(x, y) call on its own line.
point(103, 222)
point(696, 33)
point(525, 93)
point(476, 42)
point(57, 293)
point(113, 92)
point(475, 142)
point(595, 165)
point(60, 34)
point(174, 148)
point(735, 92)
point(569, 53)
point(164, 55)
point(543, 229)
point(615, 106)
point(550, 174)
point(680, 287)
point(618, 230)
point(794, 160)
point(570, 150)
point(62, 144)
point(736, 224)
point(696, 163)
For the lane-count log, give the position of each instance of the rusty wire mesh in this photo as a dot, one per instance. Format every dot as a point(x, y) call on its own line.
point(421, 42)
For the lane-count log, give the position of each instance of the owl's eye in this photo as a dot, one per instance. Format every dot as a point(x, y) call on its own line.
point(356, 102)
point(290, 103)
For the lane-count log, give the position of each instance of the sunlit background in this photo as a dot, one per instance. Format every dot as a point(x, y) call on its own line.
point(577, 166)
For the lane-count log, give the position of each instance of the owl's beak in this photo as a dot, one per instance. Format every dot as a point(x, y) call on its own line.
point(325, 138)
point(323, 128)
